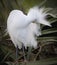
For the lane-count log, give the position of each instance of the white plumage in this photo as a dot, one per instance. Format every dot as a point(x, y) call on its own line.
point(22, 29)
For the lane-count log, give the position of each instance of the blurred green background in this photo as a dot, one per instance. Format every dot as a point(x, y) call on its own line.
point(46, 53)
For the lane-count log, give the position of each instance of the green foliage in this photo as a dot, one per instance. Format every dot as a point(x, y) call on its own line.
point(49, 61)
point(46, 53)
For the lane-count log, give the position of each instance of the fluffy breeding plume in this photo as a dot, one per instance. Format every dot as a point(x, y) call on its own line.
point(23, 28)
point(38, 15)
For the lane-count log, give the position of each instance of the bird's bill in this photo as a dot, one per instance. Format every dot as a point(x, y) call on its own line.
point(44, 22)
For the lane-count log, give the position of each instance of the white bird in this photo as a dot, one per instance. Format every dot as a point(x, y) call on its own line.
point(23, 28)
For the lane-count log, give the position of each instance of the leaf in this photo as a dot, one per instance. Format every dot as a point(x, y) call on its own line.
point(6, 56)
point(52, 12)
point(49, 31)
point(8, 52)
point(47, 39)
point(52, 20)
point(48, 61)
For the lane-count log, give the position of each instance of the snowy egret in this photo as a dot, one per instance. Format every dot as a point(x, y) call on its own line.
point(22, 28)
